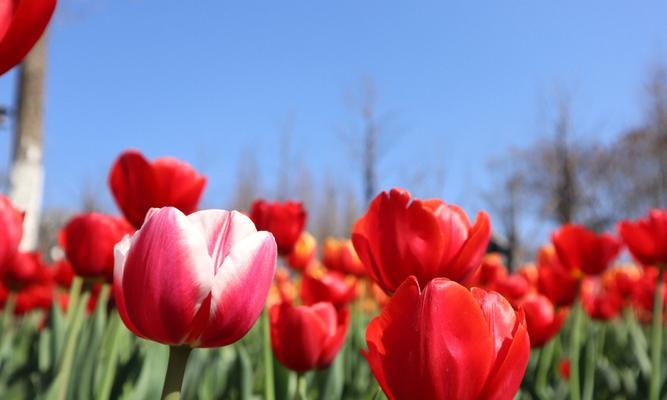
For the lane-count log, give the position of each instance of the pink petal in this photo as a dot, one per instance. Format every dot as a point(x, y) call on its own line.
point(240, 288)
point(167, 275)
point(222, 229)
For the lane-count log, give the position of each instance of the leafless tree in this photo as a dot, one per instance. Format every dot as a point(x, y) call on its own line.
point(369, 139)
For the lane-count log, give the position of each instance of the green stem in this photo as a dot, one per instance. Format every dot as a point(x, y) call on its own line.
point(269, 385)
point(173, 380)
point(8, 313)
point(74, 327)
point(301, 392)
point(73, 299)
point(591, 362)
point(115, 327)
point(575, 349)
point(656, 337)
point(545, 362)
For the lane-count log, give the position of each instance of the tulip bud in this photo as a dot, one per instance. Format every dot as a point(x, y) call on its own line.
point(89, 240)
point(399, 237)
point(199, 280)
point(138, 185)
point(307, 337)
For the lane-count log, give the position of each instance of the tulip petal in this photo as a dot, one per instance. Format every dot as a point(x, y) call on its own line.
point(457, 352)
point(393, 344)
point(120, 255)
point(336, 341)
point(466, 263)
point(28, 22)
point(183, 184)
point(240, 288)
point(506, 378)
point(222, 229)
point(166, 277)
point(133, 185)
point(298, 334)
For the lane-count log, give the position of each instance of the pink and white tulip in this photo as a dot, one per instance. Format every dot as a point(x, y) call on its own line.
point(199, 280)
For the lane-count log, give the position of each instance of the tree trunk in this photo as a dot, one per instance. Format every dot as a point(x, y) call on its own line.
point(26, 177)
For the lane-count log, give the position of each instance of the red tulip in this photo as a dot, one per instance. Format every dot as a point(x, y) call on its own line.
point(62, 273)
point(623, 280)
point(285, 221)
point(600, 302)
point(399, 237)
point(564, 369)
point(327, 286)
point(554, 281)
point(583, 252)
point(34, 297)
point(11, 231)
point(26, 269)
point(339, 255)
point(304, 252)
point(89, 240)
point(447, 342)
point(22, 23)
point(644, 293)
point(542, 320)
point(307, 337)
point(647, 238)
point(199, 280)
point(514, 288)
point(531, 274)
point(491, 271)
point(139, 185)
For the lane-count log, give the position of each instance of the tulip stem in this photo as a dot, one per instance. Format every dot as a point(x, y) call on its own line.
point(178, 359)
point(656, 337)
point(269, 386)
point(73, 298)
point(301, 392)
point(575, 349)
point(61, 381)
point(545, 362)
point(597, 339)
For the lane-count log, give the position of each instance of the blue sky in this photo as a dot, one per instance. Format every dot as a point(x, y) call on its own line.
point(466, 80)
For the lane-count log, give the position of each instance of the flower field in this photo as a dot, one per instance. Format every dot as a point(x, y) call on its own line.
point(167, 299)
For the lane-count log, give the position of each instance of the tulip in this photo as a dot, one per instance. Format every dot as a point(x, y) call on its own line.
point(89, 241)
point(623, 280)
point(62, 273)
point(327, 286)
point(139, 185)
point(307, 337)
point(199, 280)
point(601, 302)
point(304, 252)
point(491, 271)
point(34, 297)
point(514, 288)
point(647, 241)
point(564, 369)
point(583, 252)
point(26, 269)
point(285, 221)
point(542, 320)
point(447, 342)
point(22, 23)
point(339, 255)
point(530, 273)
point(554, 281)
point(399, 237)
point(11, 231)
point(647, 238)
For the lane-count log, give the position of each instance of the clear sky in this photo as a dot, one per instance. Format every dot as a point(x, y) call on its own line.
point(203, 80)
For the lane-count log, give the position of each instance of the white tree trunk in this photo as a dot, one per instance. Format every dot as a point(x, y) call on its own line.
point(26, 176)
